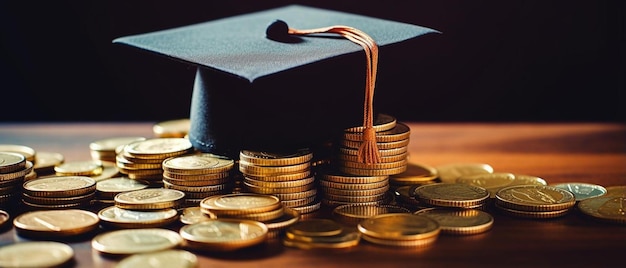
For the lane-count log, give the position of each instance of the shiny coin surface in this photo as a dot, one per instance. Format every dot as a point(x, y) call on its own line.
point(619, 190)
point(62, 186)
point(492, 182)
point(345, 239)
point(276, 158)
point(114, 186)
point(353, 214)
point(79, 168)
point(56, 223)
point(224, 234)
point(449, 173)
point(605, 208)
point(399, 226)
point(243, 203)
point(150, 198)
point(126, 218)
point(111, 144)
point(315, 227)
point(581, 190)
point(415, 173)
point(459, 221)
point(158, 147)
point(451, 195)
point(11, 162)
point(133, 241)
point(191, 215)
point(28, 152)
point(176, 128)
point(171, 258)
point(535, 198)
point(198, 164)
point(400, 132)
point(36, 254)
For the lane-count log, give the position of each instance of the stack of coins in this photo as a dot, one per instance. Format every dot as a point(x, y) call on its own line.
point(267, 209)
point(392, 140)
point(198, 175)
point(452, 195)
point(13, 169)
point(400, 229)
point(107, 189)
point(143, 159)
point(29, 153)
point(459, 221)
point(105, 149)
point(150, 199)
point(287, 176)
point(320, 233)
point(63, 192)
point(342, 189)
point(534, 201)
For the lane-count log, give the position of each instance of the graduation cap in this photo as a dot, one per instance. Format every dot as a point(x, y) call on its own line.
point(262, 84)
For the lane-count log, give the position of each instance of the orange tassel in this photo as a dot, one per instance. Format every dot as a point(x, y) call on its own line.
point(368, 152)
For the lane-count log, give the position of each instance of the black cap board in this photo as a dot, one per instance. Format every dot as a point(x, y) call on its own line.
point(273, 93)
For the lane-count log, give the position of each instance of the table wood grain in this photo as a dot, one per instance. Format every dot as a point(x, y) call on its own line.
point(557, 152)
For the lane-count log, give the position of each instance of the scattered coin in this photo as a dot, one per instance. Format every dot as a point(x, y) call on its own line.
point(134, 241)
point(160, 259)
point(224, 234)
point(611, 208)
point(581, 190)
point(459, 221)
point(36, 254)
point(56, 223)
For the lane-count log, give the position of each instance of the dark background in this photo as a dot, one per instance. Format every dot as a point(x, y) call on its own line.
point(494, 61)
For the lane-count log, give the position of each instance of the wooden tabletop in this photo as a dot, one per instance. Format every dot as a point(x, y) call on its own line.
point(557, 152)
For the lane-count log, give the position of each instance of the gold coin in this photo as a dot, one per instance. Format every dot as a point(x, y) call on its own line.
point(224, 234)
point(346, 239)
point(56, 223)
point(528, 179)
point(415, 173)
point(353, 214)
point(373, 172)
point(288, 218)
point(11, 177)
point(459, 221)
point(160, 259)
point(275, 158)
point(535, 198)
point(279, 184)
point(111, 144)
point(191, 215)
point(298, 202)
point(375, 166)
point(492, 182)
point(46, 161)
point(383, 159)
point(125, 218)
point(417, 243)
point(294, 196)
point(382, 122)
point(382, 152)
point(351, 179)
point(176, 128)
point(400, 132)
point(308, 209)
point(109, 170)
point(315, 227)
point(292, 176)
point(79, 168)
point(198, 164)
point(28, 152)
point(449, 173)
point(158, 148)
point(352, 186)
point(284, 190)
point(134, 241)
point(36, 254)
point(582, 190)
point(532, 214)
point(619, 190)
point(259, 216)
point(40, 200)
point(399, 226)
point(11, 162)
point(63, 186)
point(242, 203)
point(262, 171)
point(113, 186)
point(451, 195)
point(124, 163)
point(343, 192)
point(150, 198)
point(611, 208)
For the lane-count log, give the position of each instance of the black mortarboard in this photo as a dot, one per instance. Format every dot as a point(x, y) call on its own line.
point(278, 93)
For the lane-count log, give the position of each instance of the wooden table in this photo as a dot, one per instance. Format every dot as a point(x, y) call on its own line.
point(557, 152)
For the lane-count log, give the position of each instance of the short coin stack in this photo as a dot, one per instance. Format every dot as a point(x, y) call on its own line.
point(400, 229)
point(62, 192)
point(198, 175)
point(392, 140)
point(342, 189)
point(459, 221)
point(267, 209)
point(13, 169)
point(451, 195)
point(320, 233)
point(143, 159)
point(287, 176)
point(108, 188)
point(106, 149)
point(142, 208)
point(534, 201)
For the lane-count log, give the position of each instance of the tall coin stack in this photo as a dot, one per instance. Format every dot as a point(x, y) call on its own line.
point(13, 169)
point(287, 176)
point(343, 189)
point(198, 175)
point(143, 159)
point(392, 140)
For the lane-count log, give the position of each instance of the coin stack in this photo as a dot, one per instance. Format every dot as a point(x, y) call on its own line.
point(105, 149)
point(287, 176)
point(107, 189)
point(392, 140)
point(142, 208)
point(452, 195)
point(320, 233)
point(267, 209)
point(534, 201)
point(143, 159)
point(62, 192)
point(399, 229)
point(198, 175)
point(29, 153)
point(13, 169)
point(459, 221)
point(342, 189)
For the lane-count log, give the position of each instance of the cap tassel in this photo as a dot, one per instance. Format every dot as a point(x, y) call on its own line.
point(368, 152)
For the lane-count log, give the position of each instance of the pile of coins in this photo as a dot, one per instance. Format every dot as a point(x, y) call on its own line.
point(107, 149)
point(267, 209)
point(320, 233)
point(59, 192)
point(143, 159)
point(534, 201)
point(392, 140)
point(343, 189)
point(287, 176)
point(13, 169)
point(400, 229)
point(198, 175)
